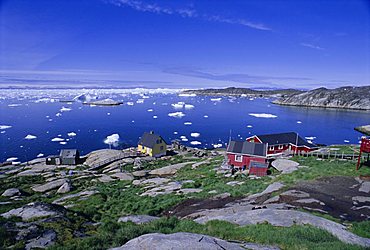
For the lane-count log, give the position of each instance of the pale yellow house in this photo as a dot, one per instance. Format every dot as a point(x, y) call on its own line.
point(152, 145)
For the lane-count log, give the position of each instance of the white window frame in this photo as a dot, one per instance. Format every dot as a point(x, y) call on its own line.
point(241, 158)
point(271, 148)
point(281, 147)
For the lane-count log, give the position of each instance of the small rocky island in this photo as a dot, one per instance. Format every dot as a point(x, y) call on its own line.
point(344, 98)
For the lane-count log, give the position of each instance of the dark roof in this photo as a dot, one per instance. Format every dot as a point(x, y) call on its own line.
point(285, 138)
point(68, 153)
point(245, 147)
point(149, 139)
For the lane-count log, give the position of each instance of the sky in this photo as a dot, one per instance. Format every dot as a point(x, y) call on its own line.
point(185, 44)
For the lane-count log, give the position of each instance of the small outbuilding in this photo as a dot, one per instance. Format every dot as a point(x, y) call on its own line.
point(69, 156)
point(249, 156)
point(365, 144)
point(152, 144)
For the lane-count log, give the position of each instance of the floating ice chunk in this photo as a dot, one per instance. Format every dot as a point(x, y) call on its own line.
point(187, 95)
point(14, 105)
point(71, 134)
point(150, 110)
point(50, 120)
point(176, 114)
point(175, 132)
point(189, 106)
point(346, 141)
point(262, 115)
point(112, 140)
point(155, 117)
point(299, 122)
point(194, 134)
point(2, 132)
point(183, 136)
point(64, 109)
point(184, 139)
point(57, 139)
point(30, 137)
point(310, 137)
point(40, 155)
point(309, 141)
point(216, 99)
point(133, 121)
point(140, 101)
point(58, 114)
point(205, 116)
point(2, 127)
point(108, 113)
point(12, 159)
point(178, 105)
point(145, 96)
point(195, 143)
point(63, 143)
point(187, 123)
point(249, 126)
point(219, 145)
point(130, 103)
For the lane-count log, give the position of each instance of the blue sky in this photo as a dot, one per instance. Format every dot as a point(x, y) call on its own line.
point(151, 43)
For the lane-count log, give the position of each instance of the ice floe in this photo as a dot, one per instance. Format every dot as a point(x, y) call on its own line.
point(299, 122)
point(249, 126)
point(175, 132)
point(14, 105)
point(155, 117)
point(2, 127)
point(188, 123)
point(178, 105)
point(112, 140)
point(150, 110)
point(262, 115)
point(187, 95)
point(71, 134)
point(130, 103)
point(57, 139)
point(189, 106)
point(63, 142)
point(177, 114)
point(12, 159)
point(346, 141)
point(310, 137)
point(140, 101)
point(194, 134)
point(195, 143)
point(40, 155)
point(58, 114)
point(219, 145)
point(216, 99)
point(205, 116)
point(30, 137)
point(65, 109)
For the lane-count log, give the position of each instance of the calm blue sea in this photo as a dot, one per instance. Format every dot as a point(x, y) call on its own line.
point(36, 116)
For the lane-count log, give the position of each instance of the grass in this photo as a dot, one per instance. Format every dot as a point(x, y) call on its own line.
point(112, 234)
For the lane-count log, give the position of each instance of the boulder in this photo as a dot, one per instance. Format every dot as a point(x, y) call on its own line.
point(169, 170)
point(365, 187)
point(35, 210)
point(11, 192)
point(138, 219)
point(181, 241)
point(65, 188)
point(141, 173)
point(285, 166)
point(49, 186)
point(123, 176)
point(138, 163)
point(47, 239)
point(105, 178)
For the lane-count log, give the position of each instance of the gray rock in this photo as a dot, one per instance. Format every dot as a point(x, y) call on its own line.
point(49, 186)
point(47, 239)
point(361, 199)
point(178, 241)
point(123, 176)
point(287, 218)
point(189, 190)
point(35, 210)
point(140, 173)
point(11, 192)
point(65, 188)
point(138, 163)
point(270, 189)
point(138, 219)
point(285, 166)
point(365, 187)
point(169, 170)
point(295, 194)
point(105, 178)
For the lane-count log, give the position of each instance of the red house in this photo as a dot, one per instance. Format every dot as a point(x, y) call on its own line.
point(365, 144)
point(248, 155)
point(283, 142)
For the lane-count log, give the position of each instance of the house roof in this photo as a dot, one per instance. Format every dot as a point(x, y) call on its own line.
point(285, 138)
point(149, 139)
point(68, 153)
point(245, 147)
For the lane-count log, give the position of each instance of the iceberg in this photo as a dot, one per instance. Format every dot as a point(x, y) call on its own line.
point(57, 139)
point(187, 95)
point(175, 132)
point(189, 106)
point(310, 137)
point(112, 140)
point(219, 145)
point(64, 109)
point(263, 115)
point(194, 134)
point(130, 103)
point(155, 117)
point(195, 143)
point(150, 110)
point(249, 126)
point(205, 116)
point(188, 123)
point(40, 155)
point(2, 127)
point(178, 105)
point(63, 142)
point(71, 134)
point(299, 122)
point(30, 137)
point(58, 114)
point(176, 114)
point(346, 141)
point(12, 159)
point(14, 105)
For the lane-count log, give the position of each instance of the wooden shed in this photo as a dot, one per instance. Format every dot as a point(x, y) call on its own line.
point(69, 156)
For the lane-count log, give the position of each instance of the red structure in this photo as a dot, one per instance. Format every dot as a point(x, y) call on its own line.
point(244, 155)
point(364, 148)
point(283, 142)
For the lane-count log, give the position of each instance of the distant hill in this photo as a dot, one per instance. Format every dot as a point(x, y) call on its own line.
point(344, 97)
point(232, 91)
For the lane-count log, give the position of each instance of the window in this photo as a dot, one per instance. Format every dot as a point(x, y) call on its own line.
point(239, 158)
point(272, 148)
point(162, 147)
point(281, 146)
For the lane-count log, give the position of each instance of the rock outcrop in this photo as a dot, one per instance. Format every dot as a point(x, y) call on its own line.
point(35, 210)
point(138, 219)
